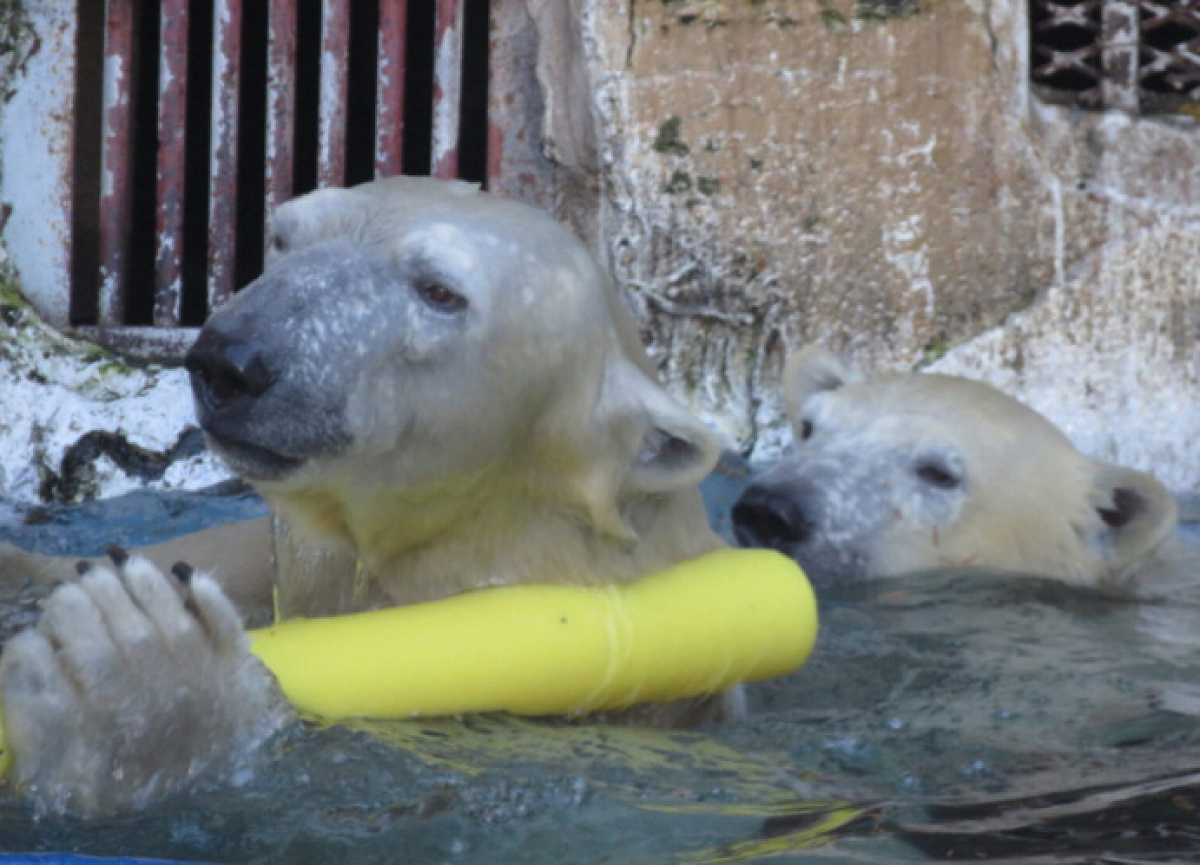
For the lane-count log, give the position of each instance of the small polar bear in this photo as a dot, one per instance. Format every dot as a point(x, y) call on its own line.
point(436, 390)
point(906, 472)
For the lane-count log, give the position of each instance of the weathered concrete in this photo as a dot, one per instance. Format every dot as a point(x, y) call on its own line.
point(877, 176)
point(80, 423)
point(76, 422)
point(1112, 354)
point(37, 69)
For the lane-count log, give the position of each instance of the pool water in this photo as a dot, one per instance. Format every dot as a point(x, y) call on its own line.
point(942, 717)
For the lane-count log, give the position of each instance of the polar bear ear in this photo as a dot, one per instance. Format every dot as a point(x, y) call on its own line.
point(671, 449)
point(317, 215)
point(811, 370)
point(677, 451)
point(1136, 511)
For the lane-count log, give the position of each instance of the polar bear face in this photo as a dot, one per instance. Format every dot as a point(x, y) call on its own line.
point(436, 391)
point(422, 365)
point(908, 472)
point(381, 317)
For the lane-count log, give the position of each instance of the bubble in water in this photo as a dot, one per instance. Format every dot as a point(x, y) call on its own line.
point(978, 767)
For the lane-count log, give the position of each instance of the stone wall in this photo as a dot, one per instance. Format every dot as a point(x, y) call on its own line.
point(759, 174)
point(876, 175)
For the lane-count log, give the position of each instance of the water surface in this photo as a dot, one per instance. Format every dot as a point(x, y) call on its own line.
point(942, 717)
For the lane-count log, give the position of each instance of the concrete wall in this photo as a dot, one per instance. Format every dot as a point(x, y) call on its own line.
point(76, 422)
point(37, 69)
point(878, 177)
point(764, 173)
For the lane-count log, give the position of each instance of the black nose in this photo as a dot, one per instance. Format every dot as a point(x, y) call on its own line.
point(224, 368)
point(770, 518)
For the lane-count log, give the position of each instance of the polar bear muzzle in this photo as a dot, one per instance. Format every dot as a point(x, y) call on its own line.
point(772, 516)
point(268, 369)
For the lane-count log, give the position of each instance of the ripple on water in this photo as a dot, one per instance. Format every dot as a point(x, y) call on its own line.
point(941, 715)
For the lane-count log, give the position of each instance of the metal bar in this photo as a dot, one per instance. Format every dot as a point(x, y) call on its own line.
point(222, 189)
point(116, 199)
point(1119, 54)
point(77, 193)
point(172, 136)
point(512, 47)
point(447, 87)
point(281, 108)
point(500, 75)
point(389, 104)
point(331, 110)
point(516, 165)
point(156, 344)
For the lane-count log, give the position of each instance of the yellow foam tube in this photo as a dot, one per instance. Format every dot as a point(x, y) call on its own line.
point(700, 627)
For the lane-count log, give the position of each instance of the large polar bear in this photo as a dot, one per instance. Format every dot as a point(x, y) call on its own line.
point(436, 390)
point(912, 472)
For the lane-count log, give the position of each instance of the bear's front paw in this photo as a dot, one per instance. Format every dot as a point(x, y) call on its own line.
point(131, 684)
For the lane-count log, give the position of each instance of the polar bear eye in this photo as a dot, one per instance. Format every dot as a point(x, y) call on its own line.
point(806, 429)
point(937, 475)
point(436, 295)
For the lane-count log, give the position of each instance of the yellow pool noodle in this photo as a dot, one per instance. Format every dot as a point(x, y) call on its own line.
point(697, 628)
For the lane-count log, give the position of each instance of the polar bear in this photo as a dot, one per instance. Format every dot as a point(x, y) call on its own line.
point(436, 390)
point(911, 472)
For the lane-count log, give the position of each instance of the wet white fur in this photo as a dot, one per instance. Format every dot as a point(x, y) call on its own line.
point(122, 693)
point(1029, 501)
point(531, 444)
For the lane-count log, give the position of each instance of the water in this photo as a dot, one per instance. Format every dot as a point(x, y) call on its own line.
point(942, 717)
point(135, 519)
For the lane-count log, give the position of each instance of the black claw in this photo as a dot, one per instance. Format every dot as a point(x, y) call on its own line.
point(118, 554)
point(82, 567)
point(183, 572)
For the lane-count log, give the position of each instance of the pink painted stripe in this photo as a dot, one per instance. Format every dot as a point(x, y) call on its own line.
point(281, 107)
point(172, 129)
point(447, 87)
point(335, 66)
point(389, 105)
point(222, 189)
point(116, 202)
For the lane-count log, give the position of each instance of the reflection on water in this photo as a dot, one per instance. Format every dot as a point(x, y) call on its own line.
point(136, 519)
point(942, 717)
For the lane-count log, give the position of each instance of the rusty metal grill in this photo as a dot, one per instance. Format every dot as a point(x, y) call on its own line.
point(195, 119)
point(1136, 55)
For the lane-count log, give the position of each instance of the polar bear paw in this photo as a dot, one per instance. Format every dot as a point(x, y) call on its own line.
point(132, 683)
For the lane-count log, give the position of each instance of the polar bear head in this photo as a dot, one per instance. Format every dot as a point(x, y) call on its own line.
point(912, 472)
point(441, 380)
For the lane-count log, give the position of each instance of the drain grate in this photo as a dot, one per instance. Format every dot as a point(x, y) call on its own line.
point(1142, 57)
point(194, 119)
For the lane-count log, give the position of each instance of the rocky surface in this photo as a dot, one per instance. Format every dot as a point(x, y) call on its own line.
point(80, 423)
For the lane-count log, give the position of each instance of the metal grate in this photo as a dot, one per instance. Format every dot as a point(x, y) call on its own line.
point(1137, 55)
point(196, 118)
